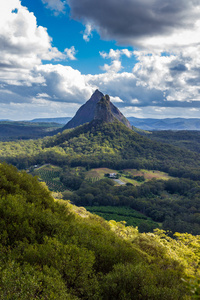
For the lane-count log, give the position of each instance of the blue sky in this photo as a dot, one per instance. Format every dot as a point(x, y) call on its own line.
point(55, 53)
point(66, 32)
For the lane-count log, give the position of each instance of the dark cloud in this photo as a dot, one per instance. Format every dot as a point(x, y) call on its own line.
point(193, 81)
point(128, 20)
point(179, 68)
point(176, 103)
point(7, 66)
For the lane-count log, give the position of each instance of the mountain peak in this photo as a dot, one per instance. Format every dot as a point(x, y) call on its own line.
point(96, 96)
point(95, 108)
point(97, 92)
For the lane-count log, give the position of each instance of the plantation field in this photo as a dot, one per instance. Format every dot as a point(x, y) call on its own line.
point(51, 176)
point(129, 215)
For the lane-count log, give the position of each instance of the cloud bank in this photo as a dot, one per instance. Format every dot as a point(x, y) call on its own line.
point(165, 59)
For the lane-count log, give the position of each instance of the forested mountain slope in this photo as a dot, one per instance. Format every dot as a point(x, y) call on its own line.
point(99, 144)
point(184, 138)
point(113, 144)
point(53, 250)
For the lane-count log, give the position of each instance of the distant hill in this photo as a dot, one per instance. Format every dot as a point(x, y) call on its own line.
point(63, 120)
point(187, 139)
point(10, 130)
point(165, 124)
point(86, 113)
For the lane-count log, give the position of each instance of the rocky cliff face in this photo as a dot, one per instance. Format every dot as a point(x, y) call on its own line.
point(98, 107)
point(103, 110)
point(85, 113)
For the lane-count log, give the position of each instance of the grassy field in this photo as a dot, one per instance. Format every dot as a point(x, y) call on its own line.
point(97, 174)
point(149, 174)
point(129, 215)
point(126, 175)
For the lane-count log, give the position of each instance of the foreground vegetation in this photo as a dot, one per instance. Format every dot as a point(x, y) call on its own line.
point(53, 250)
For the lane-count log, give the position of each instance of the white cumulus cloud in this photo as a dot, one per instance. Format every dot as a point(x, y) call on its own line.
point(70, 53)
point(116, 100)
point(115, 56)
point(87, 32)
point(57, 6)
point(176, 75)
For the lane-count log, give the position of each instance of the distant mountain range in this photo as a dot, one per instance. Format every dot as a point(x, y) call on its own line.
point(145, 124)
point(63, 120)
point(166, 124)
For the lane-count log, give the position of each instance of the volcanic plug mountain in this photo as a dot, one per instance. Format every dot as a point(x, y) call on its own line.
point(90, 111)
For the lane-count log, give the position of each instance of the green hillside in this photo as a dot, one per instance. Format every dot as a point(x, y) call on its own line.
point(98, 144)
point(113, 145)
point(53, 250)
point(75, 153)
point(184, 138)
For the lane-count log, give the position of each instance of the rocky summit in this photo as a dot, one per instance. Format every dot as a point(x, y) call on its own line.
point(98, 107)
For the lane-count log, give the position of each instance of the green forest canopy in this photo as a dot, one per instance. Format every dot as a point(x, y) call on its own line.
point(54, 250)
